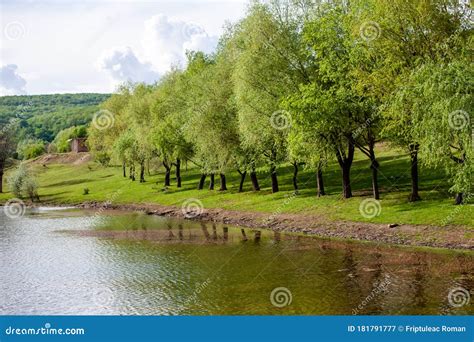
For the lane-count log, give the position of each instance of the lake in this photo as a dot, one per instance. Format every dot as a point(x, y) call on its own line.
point(57, 261)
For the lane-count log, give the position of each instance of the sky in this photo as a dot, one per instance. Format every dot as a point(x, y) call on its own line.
point(92, 46)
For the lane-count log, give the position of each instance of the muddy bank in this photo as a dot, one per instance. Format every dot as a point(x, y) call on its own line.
point(453, 237)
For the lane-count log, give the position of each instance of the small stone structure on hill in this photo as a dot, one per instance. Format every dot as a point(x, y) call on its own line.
point(79, 145)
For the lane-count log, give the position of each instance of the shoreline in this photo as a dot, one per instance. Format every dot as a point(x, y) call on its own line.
point(450, 237)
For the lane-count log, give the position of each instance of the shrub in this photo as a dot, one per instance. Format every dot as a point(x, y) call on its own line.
point(30, 148)
point(86, 191)
point(102, 158)
point(23, 182)
point(30, 186)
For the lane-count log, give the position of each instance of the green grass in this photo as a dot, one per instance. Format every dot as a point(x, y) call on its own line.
point(65, 184)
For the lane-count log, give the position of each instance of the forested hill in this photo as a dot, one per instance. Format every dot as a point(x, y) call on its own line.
point(43, 116)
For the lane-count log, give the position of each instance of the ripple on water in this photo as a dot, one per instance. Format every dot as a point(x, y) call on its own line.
point(139, 264)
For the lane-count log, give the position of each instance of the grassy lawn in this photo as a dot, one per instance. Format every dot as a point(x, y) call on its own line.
point(65, 183)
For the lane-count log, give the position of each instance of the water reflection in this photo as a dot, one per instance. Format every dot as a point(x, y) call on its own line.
point(67, 263)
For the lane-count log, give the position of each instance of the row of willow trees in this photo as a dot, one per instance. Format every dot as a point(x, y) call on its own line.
point(307, 82)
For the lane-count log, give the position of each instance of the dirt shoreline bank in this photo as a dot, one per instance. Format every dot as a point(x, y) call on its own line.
point(452, 237)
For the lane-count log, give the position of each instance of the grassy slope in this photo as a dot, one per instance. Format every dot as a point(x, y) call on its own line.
point(65, 184)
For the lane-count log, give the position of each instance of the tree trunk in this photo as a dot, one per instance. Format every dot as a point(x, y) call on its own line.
point(178, 173)
point(211, 183)
point(346, 181)
point(201, 181)
point(242, 180)
point(414, 196)
point(130, 172)
point(1, 180)
point(167, 174)
point(223, 182)
point(142, 172)
point(459, 198)
point(375, 183)
point(295, 176)
point(274, 179)
point(319, 182)
point(124, 169)
point(133, 173)
point(254, 179)
point(345, 162)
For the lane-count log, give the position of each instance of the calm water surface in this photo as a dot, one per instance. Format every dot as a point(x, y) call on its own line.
point(74, 262)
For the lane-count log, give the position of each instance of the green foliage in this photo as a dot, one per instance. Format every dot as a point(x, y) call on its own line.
point(306, 82)
point(43, 116)
point(22, 182)
point(102, 158)
point(62, 141)
point(30, 148)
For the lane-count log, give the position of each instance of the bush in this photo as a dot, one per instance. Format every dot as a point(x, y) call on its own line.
point(30, 148)
point(23, 182)
point(102, 158)
point(86, 191)
point(30, 186)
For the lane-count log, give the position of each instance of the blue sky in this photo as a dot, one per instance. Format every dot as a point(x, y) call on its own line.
point(92, 46)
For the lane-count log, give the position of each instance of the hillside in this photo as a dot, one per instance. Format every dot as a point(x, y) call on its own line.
point(43, 116)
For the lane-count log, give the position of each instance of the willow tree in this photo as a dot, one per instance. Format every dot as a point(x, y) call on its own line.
point(138, 116)
point(329, 109)
point(403, 35)
point(443, 120)
point(213, 125)
point(8, 143)
point(102, 138)
point(263, 77)
point(168, 110)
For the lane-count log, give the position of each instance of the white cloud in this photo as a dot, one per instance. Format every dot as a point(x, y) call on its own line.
point(11, 83)
point(164, 44)
point(166, 40)
point(63, 40)
point(123, 65)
